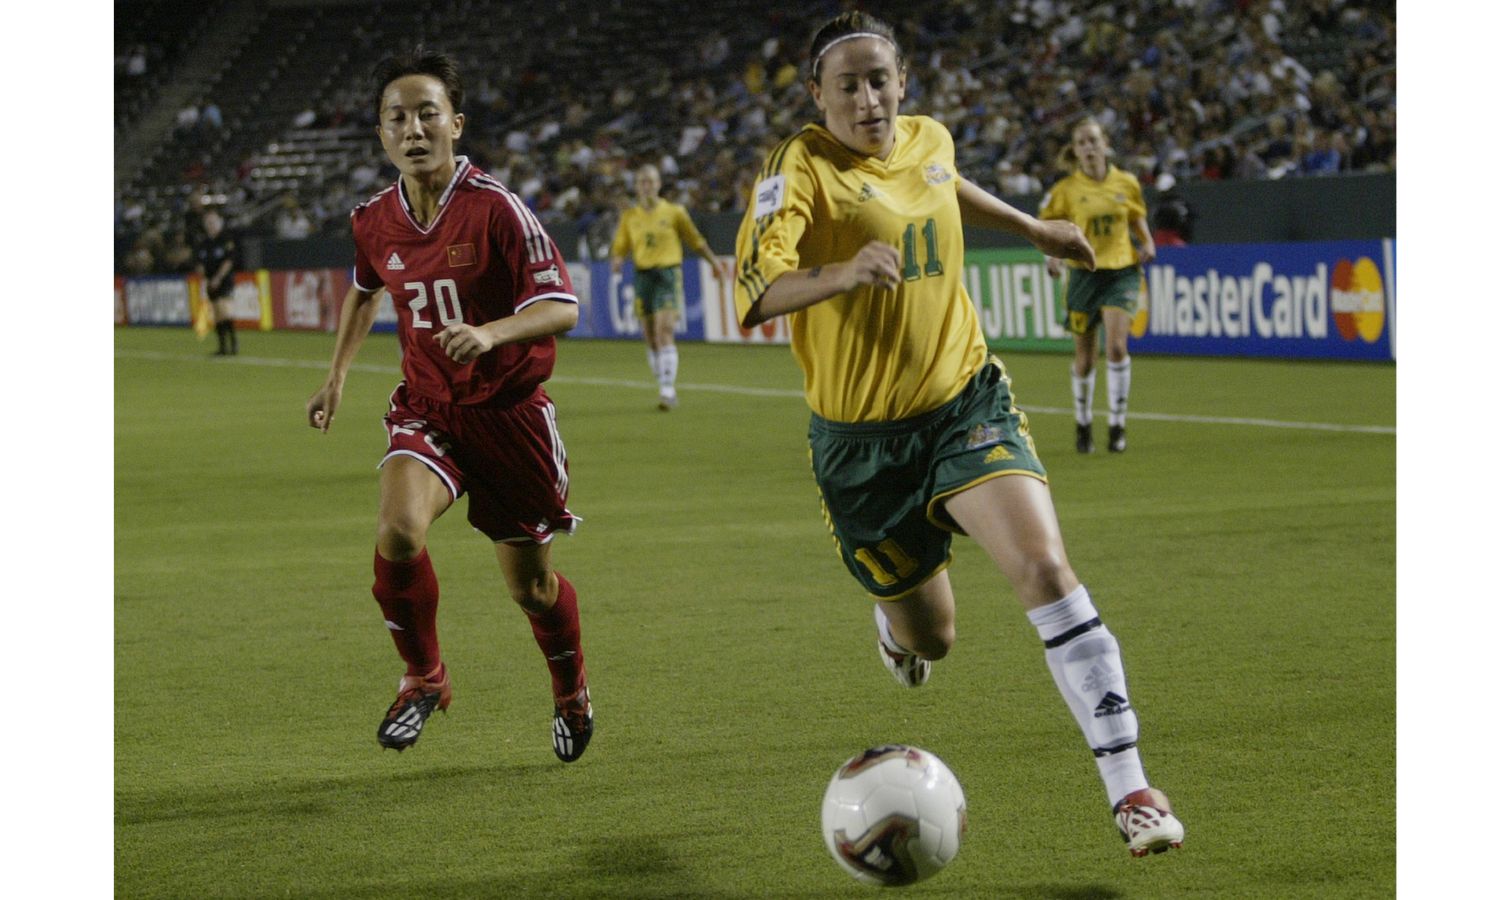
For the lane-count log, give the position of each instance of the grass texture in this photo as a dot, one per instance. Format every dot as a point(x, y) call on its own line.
point(1242, 550)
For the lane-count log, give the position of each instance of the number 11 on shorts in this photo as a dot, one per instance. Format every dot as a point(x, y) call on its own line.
point(894, 555)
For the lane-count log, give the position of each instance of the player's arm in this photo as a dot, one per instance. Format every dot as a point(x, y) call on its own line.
point(1055, 238)
point(465, 343)
point(355, 319)
point(876, 263)
point(619, 248)
point(1145, 245)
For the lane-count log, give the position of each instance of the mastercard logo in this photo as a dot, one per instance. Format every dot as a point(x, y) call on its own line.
point(1357, 297)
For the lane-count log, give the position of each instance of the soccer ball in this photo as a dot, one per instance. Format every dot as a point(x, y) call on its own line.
point(893, 815)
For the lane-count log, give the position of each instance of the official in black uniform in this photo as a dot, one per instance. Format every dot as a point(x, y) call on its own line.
point(217, 258)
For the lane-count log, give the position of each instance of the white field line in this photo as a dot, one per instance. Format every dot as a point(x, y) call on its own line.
point(744, 391)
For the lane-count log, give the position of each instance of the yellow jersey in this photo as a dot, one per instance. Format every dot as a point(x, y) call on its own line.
point(873, 354)
point(1103, 209)
point(653, 238)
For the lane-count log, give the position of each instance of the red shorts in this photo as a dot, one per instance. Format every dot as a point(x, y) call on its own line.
point(509, 459)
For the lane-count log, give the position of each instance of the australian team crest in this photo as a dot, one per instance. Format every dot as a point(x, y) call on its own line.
point(982, 436)
point(936, 174)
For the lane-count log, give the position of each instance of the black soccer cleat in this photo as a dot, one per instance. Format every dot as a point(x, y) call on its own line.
point(416, 698)
point(1117, 439)
point(572, 725)
point(1085, 441)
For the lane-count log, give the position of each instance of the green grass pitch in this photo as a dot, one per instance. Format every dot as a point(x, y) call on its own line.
point(1243, 551)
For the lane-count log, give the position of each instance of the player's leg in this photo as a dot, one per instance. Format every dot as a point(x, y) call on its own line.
point(551, 606)
point(1013, 519)
point(1085, 349)
point(1117, 355)
point(916, 629)
point(223, 326)
point(412, 497)
point(668, 306)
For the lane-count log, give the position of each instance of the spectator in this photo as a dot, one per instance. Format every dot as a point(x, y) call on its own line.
point(292, 223)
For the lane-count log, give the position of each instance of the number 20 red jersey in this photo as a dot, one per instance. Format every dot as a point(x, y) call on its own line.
point(483, 257)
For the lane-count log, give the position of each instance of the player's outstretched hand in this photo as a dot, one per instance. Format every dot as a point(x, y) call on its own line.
point(1063, 240)
point(321, 406)
point(1054, 267)
point(464, 343)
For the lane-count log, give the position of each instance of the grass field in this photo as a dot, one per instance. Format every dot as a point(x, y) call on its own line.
point(1243, 551)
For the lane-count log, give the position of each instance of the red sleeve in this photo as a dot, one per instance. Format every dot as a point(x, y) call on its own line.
point(365, 277)
point(538, 269)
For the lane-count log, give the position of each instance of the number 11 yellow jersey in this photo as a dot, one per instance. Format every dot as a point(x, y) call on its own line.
point(873, 354)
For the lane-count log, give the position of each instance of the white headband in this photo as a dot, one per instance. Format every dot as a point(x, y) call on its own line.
point(848, 37)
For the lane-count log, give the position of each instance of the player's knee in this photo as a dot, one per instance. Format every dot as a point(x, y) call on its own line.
point(532, 595)
point(934, 643)
point(400, 538)
point(1047, 576)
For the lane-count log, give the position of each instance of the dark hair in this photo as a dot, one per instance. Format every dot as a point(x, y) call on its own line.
point(418, 61)
point(843, 25)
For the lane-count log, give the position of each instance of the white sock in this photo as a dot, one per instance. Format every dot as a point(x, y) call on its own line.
point(883, 625)
point(654, 359)
point(1083, 397)
point(667, 375)
point(1085, 662)
point(1119, 390)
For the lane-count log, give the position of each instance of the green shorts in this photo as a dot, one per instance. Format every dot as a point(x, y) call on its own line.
point(1089, 292)
point(883, 483)
point(658, 289)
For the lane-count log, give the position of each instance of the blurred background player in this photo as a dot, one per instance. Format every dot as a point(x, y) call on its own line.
point(216, 253)
point(651, 233)
point(1106, 203)
point(856, 235)
point(479, 290)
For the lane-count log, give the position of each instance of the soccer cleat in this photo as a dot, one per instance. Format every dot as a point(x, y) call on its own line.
point(1117, 439)
point(909, 669)
point(1085, 441)
point(1146, 822)
point(666, 402)
point(572, 725)
point(416, 698)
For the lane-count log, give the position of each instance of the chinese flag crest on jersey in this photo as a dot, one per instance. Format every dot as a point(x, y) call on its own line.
point(461, 255)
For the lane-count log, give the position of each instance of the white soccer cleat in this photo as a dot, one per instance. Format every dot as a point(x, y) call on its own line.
point(909, 669)
point(1146, 822)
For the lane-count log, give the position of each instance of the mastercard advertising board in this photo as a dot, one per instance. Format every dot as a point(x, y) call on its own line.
point(1317, 300)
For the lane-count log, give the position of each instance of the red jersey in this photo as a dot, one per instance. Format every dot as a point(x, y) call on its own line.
point(483, 257)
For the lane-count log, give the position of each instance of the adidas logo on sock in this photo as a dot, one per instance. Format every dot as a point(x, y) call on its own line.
point(1112, 705)
point(1099, 677)
point(394, 262)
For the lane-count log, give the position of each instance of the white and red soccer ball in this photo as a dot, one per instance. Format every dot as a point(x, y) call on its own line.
point(893, 815)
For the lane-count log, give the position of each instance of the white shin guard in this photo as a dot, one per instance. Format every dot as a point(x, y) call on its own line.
point(1085, 663)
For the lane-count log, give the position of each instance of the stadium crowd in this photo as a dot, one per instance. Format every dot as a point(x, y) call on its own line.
point(1186, 89)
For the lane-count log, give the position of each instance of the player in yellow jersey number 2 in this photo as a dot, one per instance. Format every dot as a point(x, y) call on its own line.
point(855, 234)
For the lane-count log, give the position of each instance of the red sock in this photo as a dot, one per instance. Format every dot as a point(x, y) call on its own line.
point(556, 632)
point(407, 592)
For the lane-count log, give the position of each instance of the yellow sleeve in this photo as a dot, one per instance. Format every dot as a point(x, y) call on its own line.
point(690, 234)
point(1054, 202)
point(620, 247)
point(775, 220)
point(1135, 202)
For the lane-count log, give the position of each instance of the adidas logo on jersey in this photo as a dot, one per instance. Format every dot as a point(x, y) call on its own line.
point(866, 192)
point(394, 262)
